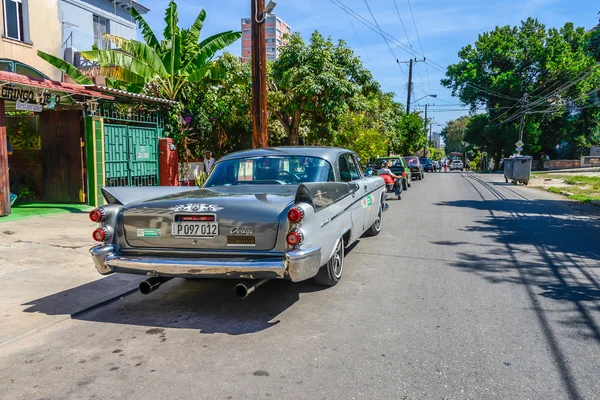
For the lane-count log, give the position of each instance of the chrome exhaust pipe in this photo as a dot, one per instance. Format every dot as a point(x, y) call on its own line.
point(243, 289)
point(151, 284)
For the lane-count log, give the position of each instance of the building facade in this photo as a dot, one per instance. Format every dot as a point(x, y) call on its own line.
point(85, 21)
point(29, 26)
point(275, 29)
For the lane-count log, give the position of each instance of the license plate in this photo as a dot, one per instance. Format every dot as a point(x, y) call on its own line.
point(195, 229)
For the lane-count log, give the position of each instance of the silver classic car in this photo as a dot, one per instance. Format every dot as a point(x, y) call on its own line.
point(272, 213)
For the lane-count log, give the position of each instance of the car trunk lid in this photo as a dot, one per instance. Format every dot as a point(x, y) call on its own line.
point(245, 217)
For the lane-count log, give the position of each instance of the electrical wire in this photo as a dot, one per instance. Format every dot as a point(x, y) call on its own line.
point(363, 48)
point(384, 38)
point(402, 46)
point(420, 45)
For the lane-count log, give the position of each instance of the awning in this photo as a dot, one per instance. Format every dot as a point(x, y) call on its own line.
point(70, 88)
point(136, 96)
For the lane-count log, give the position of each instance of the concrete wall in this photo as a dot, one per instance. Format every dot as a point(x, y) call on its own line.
point(80, 13)
point(562, 164)
point(44, 34)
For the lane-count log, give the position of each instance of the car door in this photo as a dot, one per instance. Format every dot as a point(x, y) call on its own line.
point(371, 203)
point(350, 173)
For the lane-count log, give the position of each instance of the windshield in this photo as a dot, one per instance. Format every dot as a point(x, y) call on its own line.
point(412, 160)
point(285, 170)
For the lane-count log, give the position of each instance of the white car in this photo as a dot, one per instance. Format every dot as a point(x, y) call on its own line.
point(456, 164)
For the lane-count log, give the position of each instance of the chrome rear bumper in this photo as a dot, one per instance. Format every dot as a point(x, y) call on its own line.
point(295, 265)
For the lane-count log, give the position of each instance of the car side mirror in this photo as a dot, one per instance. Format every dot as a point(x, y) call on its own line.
point(369, 172)
point(353, 187)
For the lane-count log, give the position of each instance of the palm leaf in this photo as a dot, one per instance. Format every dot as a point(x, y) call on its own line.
point(171, 18)
point(65, 67)
point(117, 58)
point(172, 58)
point(121, 74)
point(196, 28)
point(147, 33)
point(139, 50)
point(208, 48)
point(211, 72)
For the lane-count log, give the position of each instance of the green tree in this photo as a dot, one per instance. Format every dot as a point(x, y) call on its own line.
point(413, 135)
point(454, 134)
point(551, 66)
point(313, 85)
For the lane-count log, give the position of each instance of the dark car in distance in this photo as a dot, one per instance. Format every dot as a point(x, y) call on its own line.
point(427, 164)
point(416, 168)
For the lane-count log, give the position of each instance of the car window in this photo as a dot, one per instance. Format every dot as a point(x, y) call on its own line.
point(357, 165)
point(348, 169)
point(270, 170)
point(345, 175)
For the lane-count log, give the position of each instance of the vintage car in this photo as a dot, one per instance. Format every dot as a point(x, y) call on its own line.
point(272, 213)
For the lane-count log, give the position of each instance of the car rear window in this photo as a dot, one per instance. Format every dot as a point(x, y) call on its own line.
point(412, 160)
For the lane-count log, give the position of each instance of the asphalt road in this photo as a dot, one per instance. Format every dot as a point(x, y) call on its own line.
point(473, 290)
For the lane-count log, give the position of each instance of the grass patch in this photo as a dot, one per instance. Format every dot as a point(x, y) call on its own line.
point(584, 189)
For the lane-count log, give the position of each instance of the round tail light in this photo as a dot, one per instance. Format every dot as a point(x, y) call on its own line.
point(295, 214)
point(294, 238)
point(97, 215)
point(100, 234)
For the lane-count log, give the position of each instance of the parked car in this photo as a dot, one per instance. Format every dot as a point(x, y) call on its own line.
point(416, 169)
point(279, 213)
point(399, 167)
point(456, 164)
point(427, 164)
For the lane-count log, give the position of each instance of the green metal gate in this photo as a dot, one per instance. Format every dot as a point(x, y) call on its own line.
point(130, 155)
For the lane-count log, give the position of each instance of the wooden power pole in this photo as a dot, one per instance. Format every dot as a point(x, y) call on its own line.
point(259, 75)
point(410, 68)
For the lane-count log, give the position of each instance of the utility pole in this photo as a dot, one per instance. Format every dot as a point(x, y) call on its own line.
point(410, 67)
point(259, 75)
point(522, 127)
point(426, 145)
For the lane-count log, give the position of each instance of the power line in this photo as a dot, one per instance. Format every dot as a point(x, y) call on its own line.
point(363, 48)
point(401, 45)
point(420, 45)
point(384, 38)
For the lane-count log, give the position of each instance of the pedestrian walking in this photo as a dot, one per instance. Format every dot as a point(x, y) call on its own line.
point(209, 161)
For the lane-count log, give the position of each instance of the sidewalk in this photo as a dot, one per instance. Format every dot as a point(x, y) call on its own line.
point(47, 273)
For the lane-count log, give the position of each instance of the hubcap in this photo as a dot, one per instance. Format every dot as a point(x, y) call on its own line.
point(337, 261)
point(377, 224)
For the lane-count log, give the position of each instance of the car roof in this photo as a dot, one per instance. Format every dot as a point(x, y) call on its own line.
point(328, 153)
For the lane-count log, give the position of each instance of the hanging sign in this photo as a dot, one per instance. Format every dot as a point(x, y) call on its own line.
point(22, 106)
point(28, 96)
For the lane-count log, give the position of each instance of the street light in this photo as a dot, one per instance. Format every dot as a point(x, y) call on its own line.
point(429, 95)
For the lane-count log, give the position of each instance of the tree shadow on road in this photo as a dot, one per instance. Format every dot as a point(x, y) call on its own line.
point(551, 250)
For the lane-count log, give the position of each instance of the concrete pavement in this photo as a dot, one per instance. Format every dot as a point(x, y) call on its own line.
point(474, 289)
point(47, 273)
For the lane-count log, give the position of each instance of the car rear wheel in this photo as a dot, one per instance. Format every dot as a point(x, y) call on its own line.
point(331, 273)
point(376, 227)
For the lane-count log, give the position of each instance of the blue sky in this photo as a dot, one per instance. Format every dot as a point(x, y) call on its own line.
point(443, 27)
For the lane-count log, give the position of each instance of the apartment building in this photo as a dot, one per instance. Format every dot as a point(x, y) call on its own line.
point(29, 26)
point(275, 29)
point(85, 21)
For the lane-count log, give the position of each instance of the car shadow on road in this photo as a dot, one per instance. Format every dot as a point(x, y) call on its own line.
point(552, 251)
point(206, 305)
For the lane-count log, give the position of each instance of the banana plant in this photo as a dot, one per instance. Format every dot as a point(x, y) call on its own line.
point(165, 66)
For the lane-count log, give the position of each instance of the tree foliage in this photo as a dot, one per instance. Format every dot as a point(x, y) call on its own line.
point(454, 134)
point(313, 84)
point(547, 74)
